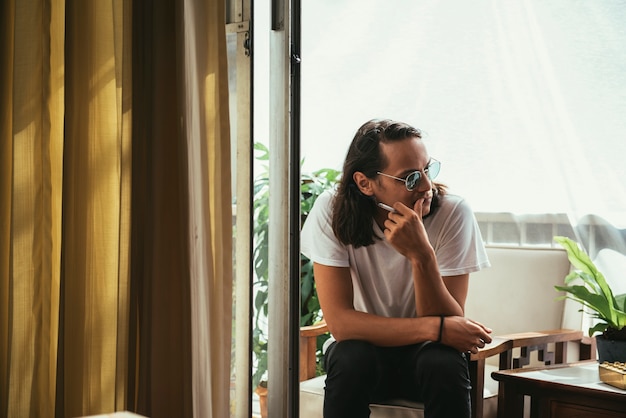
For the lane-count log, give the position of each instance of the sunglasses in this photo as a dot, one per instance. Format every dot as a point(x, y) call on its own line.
point(413, 179)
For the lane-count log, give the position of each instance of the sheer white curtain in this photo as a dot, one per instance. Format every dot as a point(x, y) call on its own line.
point(522, 101)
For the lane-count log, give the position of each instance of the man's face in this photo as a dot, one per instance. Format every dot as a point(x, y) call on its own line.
point(404, 157)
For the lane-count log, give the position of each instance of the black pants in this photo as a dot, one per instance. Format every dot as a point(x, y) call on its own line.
point(359, 373)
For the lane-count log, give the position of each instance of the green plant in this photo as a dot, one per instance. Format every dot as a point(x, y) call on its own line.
point(594, 292)
point(311, 186)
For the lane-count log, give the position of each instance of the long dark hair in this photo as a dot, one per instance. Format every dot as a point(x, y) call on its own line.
point(353, 212)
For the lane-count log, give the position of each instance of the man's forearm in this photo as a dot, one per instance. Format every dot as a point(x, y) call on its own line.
point(383, 331)
point(431, 294)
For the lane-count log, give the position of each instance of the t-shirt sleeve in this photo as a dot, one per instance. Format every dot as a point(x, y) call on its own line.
point(317, 239)
point(459, 246)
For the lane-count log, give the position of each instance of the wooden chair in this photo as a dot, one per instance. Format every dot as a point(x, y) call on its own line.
point(526, 274)
point(501, 346)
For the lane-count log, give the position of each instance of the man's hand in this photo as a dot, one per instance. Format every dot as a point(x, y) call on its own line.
point(465, 334)
point(404, 229)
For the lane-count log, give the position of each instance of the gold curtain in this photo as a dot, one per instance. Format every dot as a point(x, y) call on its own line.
point(115, 209)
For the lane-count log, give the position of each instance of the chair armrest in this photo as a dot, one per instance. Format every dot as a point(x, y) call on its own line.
point(538, 341)
point(308, 347)
point(496, 346)
point(522, 339)
point(314, 330)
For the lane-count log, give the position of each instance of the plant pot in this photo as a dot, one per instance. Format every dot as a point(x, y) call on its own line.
point(262, 392)
point(610, 350)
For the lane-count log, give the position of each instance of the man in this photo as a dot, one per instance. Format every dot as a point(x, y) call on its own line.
point(392, 255)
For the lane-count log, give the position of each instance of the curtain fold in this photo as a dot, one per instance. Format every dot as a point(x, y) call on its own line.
point(115, 209)
point(31, 160)
point(159, 246)
point(208, 162)
point(96, 208)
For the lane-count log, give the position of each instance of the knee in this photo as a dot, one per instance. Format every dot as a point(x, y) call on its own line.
point(444, 381)
point(353, 358)
point(440, 363)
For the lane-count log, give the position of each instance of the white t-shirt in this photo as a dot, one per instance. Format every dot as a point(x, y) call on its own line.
point(382, 277)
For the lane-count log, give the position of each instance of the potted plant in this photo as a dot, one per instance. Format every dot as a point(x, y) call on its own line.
point(312, 185)
point(587, 285)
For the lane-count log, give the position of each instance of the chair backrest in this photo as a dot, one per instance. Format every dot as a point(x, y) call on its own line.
point(516, 294)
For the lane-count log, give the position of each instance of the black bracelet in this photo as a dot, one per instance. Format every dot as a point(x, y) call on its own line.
point(440, 328)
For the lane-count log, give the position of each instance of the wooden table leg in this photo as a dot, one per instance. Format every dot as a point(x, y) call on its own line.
point(477, 377)
point(510, 402)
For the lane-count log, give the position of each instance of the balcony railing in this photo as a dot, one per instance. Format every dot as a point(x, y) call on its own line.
point(538, 230)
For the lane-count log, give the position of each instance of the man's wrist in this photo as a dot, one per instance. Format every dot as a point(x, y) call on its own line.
point(420, 261)
point(441, 324)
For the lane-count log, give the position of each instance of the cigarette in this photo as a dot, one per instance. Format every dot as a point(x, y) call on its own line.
point(386, 207)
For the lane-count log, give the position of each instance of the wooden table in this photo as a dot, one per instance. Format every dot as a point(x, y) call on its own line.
point(559, 392)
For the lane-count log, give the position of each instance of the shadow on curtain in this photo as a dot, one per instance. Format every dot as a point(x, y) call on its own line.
point(115, 214)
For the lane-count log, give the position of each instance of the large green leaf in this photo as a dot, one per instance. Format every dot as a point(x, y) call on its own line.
point(579, 259)
point(594, 301)
point(588, 272)
point(620, 300)
point(595, 293)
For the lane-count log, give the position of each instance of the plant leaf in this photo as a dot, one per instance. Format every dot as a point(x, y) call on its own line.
point(599, 327)
point(620, 300)
point(579, 259)
point(596, 294)
point(597, 302)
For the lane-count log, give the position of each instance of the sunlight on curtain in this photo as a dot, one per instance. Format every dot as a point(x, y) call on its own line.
point(65, 176)
point(31, 157)
point(96, 207)
point(522, 101)
point(79, 334)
